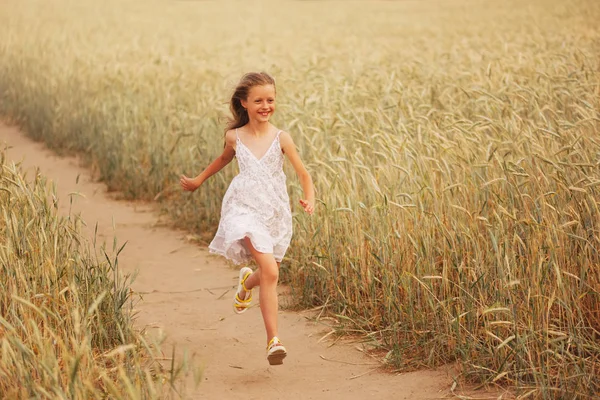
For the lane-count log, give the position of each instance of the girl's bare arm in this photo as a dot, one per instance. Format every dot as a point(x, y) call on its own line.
point(225, 158)
point(289, 148)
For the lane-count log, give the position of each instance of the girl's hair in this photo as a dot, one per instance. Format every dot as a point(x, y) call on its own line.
point(248, 81)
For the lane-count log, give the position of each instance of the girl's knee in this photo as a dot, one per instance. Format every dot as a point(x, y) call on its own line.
point(269, 274)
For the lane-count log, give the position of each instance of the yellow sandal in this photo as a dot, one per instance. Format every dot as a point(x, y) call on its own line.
point(239, 305)
point(275, 351)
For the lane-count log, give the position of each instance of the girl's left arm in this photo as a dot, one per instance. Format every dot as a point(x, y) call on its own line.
point(289, 149)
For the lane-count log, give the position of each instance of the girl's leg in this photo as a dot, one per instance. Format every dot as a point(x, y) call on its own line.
point(266, 276)
point(252, 282)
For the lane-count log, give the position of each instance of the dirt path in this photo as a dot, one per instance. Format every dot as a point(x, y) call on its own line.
point(189, 296)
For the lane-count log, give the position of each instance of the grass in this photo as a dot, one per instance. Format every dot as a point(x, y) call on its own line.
point(66, 323)
point(453, 144)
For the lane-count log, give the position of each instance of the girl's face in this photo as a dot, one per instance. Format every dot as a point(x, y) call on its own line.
point(260, 103)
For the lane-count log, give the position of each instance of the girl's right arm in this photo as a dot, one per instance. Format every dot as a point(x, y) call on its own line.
point(191, 184)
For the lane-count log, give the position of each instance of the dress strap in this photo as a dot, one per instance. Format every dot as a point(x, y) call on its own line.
point(278, 133)
point(236, 134)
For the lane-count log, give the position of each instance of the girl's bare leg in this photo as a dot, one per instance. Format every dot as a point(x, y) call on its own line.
point(266, 276)
point(252, 282)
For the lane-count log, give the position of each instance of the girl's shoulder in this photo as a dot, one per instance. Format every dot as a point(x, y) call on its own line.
point(285, 141)
point(230, 137)
point(284, 136)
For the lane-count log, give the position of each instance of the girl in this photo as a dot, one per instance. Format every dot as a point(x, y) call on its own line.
point(256, 220)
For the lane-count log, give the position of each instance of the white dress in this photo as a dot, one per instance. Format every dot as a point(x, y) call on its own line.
point(256, 205)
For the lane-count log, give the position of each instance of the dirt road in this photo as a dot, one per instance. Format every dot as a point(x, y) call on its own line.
point(189, 296)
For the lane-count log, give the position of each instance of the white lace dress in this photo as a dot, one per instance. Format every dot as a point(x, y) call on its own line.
point(256, 205)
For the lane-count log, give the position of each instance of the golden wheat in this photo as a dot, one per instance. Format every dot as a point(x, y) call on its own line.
point(453, 144)
point(65, 327)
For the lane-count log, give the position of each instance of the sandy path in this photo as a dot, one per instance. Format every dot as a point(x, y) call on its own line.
point(185, 296)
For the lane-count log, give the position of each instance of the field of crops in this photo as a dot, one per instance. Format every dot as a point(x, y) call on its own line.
point(66, 327)
point(453, 145)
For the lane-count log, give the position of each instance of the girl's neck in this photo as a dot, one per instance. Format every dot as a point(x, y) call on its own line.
point(258, 129)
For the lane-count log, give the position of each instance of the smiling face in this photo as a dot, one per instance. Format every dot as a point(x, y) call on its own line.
point(260, 103)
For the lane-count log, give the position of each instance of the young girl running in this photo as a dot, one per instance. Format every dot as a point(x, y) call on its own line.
point(256, 220)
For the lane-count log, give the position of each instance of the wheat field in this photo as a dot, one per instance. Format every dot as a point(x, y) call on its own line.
point(453, 145)
point(66, 323)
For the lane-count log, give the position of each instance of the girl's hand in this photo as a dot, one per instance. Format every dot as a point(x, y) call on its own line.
point(308, 205)
point(188, 184)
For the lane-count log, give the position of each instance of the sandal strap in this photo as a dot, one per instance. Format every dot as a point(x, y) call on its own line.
point(273, 342)
point(244, 301)
point(244, 282)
